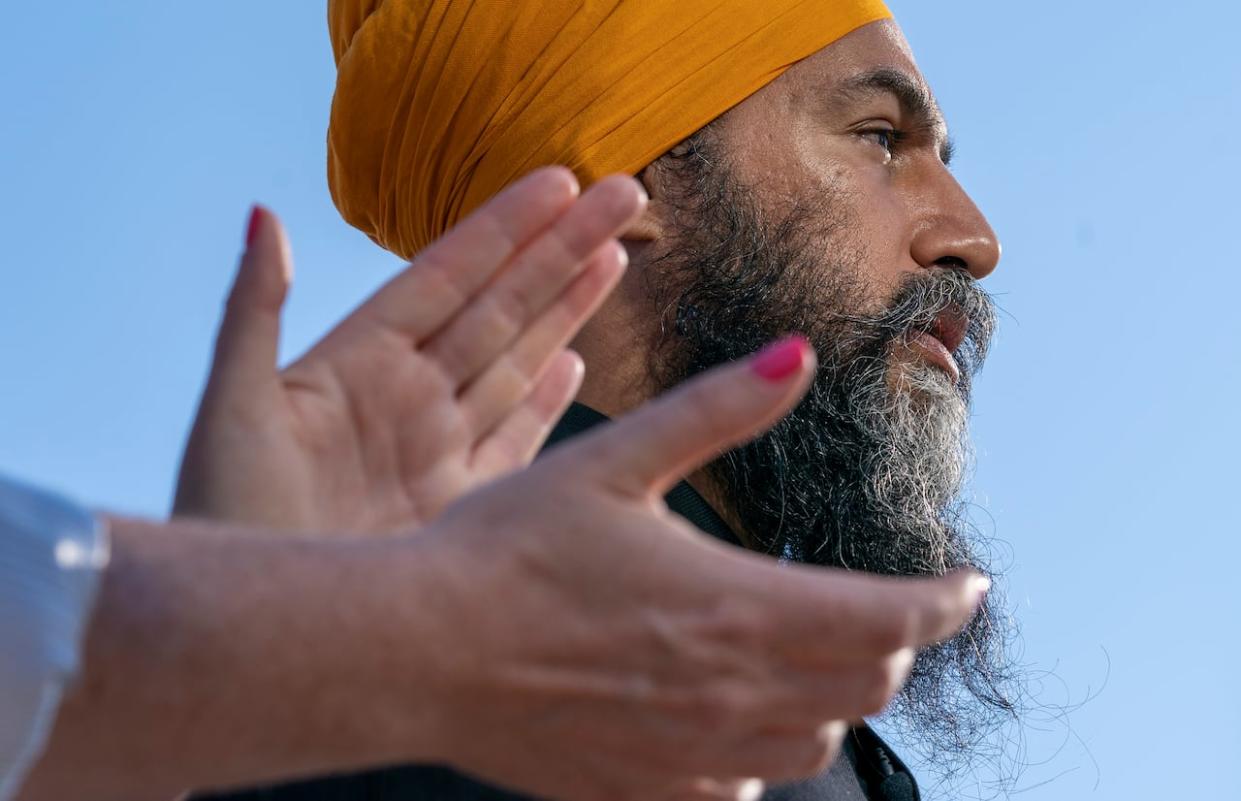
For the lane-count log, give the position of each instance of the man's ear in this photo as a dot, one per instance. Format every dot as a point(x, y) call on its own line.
point(652, 225)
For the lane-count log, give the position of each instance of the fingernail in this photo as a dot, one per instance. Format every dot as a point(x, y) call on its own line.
point(778, 361)
point(252, 228)
point(751, 790)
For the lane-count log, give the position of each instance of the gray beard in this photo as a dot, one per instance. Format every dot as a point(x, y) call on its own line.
point(867, 473)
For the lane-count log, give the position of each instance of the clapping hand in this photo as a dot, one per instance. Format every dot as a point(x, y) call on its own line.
point(449, 376)
point(600, 648)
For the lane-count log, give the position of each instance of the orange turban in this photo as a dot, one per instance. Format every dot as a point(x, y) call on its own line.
point(441, 103)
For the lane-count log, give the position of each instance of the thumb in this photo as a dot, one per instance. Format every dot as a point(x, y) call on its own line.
point(249, 339)
point(648, 451)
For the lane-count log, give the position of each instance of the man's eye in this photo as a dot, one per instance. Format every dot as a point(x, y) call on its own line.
point(887, 138)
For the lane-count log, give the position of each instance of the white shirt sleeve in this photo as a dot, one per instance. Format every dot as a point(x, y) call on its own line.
point(52, 553)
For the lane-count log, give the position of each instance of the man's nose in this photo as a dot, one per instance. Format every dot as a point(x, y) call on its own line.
point(952, 231)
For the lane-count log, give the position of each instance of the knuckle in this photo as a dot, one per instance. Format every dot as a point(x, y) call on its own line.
point(910, 620)
point(817, 759)
point(899, 666)
point(877, 690)
point(831, 737)
point(886, 635)
point(740, 792)
point(797, 758)
point(514, 383)
point(508, 310)
point(880, 682)
point(525, 298)
point(948, 612)
point(897, 630)
point(572, 240)
point(434, 273)
point(451, 355)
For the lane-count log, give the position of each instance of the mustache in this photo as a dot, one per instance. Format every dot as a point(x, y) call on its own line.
point(923, 304)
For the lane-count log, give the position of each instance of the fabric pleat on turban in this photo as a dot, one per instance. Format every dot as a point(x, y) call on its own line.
point(441, 103)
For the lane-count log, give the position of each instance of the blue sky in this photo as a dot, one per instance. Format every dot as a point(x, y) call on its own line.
point(1095, 135)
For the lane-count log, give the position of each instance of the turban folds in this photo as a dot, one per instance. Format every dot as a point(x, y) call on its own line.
point(441, 103)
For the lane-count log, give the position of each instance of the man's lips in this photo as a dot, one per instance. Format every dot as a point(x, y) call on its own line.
point(936, 353)
point(938, 344)
point(950, 328)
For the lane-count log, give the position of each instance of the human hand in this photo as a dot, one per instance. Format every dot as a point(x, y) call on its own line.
point(449, 376)
point(594, 646)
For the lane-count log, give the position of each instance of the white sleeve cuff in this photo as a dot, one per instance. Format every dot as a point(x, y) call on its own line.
point(52, 553)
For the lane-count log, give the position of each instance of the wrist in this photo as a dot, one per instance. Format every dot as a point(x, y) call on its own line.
point(404, 626)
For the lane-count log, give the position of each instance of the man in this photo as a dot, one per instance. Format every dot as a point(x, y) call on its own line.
point(797, 168)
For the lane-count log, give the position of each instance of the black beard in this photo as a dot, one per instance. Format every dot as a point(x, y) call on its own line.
point(866, 474)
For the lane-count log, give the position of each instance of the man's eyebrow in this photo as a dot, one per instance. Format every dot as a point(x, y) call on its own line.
point(915, 101)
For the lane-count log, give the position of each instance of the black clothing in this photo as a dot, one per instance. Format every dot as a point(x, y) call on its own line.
point(866, 771)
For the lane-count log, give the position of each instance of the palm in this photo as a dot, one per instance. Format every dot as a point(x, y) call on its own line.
point(389, 444)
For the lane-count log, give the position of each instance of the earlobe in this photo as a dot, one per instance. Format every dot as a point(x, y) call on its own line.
point(648, 227)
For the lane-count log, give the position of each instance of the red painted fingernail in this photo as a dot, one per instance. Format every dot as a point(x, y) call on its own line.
point(252, 228)
point(778, 361)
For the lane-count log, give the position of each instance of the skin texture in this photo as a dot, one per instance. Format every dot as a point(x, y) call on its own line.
point(794, 141)
point(447, 377)
point(685, 658)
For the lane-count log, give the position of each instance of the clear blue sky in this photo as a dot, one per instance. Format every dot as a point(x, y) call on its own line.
point(1097, 135)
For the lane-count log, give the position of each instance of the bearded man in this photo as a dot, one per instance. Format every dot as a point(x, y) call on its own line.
point(797, 166)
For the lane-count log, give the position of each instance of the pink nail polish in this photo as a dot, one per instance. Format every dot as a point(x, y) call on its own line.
point(252, 228)
point(780, 360)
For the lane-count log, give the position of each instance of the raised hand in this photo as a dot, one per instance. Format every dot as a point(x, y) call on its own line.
point(449, 376)
point(592, 645)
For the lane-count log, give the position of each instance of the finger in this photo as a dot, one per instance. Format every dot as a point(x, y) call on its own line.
point(448, 274)
point(507, 381)
point(535, 277)
point(945, 605)
point(648, 451)
point(830, 617)
point(516, 441)
point(891, 614)
point(249, 339)
point(846, 692)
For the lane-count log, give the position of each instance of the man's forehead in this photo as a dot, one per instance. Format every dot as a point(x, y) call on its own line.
point(878, 44)
point(873, 61)
point(908, 88)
